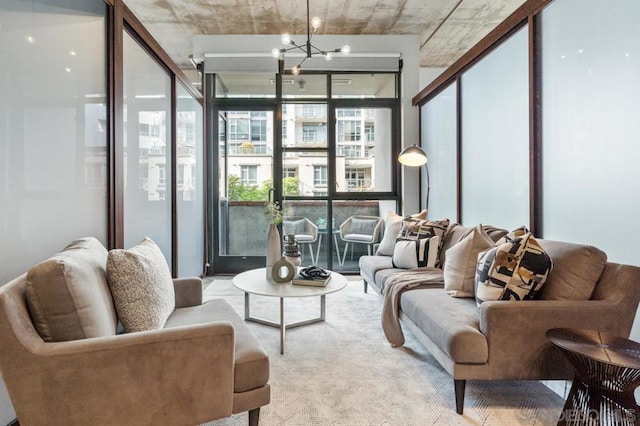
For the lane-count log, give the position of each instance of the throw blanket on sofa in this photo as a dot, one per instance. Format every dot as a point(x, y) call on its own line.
point(391, 290)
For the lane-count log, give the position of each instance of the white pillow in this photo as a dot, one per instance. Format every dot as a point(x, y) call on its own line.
point(392, 228)
point(461, 260)
point(141, 286)
point(409, 254)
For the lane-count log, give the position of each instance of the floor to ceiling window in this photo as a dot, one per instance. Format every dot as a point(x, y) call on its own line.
point(331, 137)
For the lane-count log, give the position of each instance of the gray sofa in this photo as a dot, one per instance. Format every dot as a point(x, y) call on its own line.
point(203, 365)
point(504, 340)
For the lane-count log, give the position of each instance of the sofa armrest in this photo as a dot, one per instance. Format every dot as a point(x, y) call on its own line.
point(515, 332)
point(188, 292)
point(170, 376)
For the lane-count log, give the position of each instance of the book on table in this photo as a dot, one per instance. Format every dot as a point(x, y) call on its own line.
point(300, 280)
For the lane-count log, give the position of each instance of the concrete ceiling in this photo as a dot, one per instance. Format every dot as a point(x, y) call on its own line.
point(447, 28)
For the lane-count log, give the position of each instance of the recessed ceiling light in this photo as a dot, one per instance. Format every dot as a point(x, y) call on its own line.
point(67, 69)
point(72, 52)
point(626, 55)
point(580, 50)
point(563, 57)
point(31, 39)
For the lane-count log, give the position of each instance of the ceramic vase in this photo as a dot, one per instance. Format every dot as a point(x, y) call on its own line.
point(273, 249)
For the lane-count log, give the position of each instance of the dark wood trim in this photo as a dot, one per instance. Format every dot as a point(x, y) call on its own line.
point(483, 47)
point(535, 126)
point(458, 83)
point(174, 178)
point(204, 166)
point(116, 129)
point(145, 36)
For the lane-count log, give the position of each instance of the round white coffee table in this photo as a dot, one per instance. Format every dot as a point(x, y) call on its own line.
point(255, 282)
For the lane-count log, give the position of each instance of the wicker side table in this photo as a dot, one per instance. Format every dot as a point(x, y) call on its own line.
point(607, 373)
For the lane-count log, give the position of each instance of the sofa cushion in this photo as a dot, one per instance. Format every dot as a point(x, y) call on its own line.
point(141, 286)
point(392, 228)
point(251, 361)
point(461, 260)
point(452, 324)
point(514, 270)
point(369, 265)
point(68, 295)
point(576, 270)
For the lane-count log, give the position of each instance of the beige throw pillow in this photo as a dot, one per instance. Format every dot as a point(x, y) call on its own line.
point(392, 228)
point(68, 295)
point(461, 260)
point(141, 286)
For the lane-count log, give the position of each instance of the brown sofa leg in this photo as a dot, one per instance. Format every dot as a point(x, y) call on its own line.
point(254, 416)
point(459, 388)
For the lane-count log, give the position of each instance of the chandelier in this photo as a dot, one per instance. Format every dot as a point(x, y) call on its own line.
point(308, 49)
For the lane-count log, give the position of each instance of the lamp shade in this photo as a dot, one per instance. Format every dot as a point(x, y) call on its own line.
point(413, 156)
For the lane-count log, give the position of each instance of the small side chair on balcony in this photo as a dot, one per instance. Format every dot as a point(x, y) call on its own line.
point(306, 232)
point(360, 230)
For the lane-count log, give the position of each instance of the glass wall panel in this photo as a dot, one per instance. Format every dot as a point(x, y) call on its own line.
point(495, 137)
point(363, 150)
point(439, 141)
point(591, 156)
point(363, 86)
point(245, 159)
point(53, 154)
point(147, 149)
point(190, 181)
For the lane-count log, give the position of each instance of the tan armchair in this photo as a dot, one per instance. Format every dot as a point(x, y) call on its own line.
point(360, 230)
point(204, 365)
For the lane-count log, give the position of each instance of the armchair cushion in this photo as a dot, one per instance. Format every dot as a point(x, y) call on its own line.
point(68, 295)
point(294, 226)
point(363, 226)
point(251, 361)
point(141, 286)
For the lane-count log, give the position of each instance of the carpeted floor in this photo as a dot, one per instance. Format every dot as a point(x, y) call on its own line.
point(343, 372)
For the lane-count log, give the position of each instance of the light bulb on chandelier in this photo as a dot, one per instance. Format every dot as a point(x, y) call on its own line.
point(307, 48)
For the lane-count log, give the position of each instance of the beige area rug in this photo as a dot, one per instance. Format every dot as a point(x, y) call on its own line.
point(343, 372)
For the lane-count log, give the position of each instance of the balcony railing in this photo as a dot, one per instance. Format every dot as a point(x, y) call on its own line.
point(359, 184)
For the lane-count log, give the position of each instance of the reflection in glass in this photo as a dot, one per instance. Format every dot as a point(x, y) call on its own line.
point(147, 191)
point(190, 184)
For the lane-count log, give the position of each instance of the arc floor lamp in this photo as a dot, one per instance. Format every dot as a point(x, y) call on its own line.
point(414, 156)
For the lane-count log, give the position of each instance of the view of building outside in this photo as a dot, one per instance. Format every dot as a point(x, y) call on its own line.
point(250, 147)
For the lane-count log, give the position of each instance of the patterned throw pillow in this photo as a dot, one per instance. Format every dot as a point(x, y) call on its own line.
point(419, 243)
point(392, 228)
point(516, 269)
point(141, 286)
